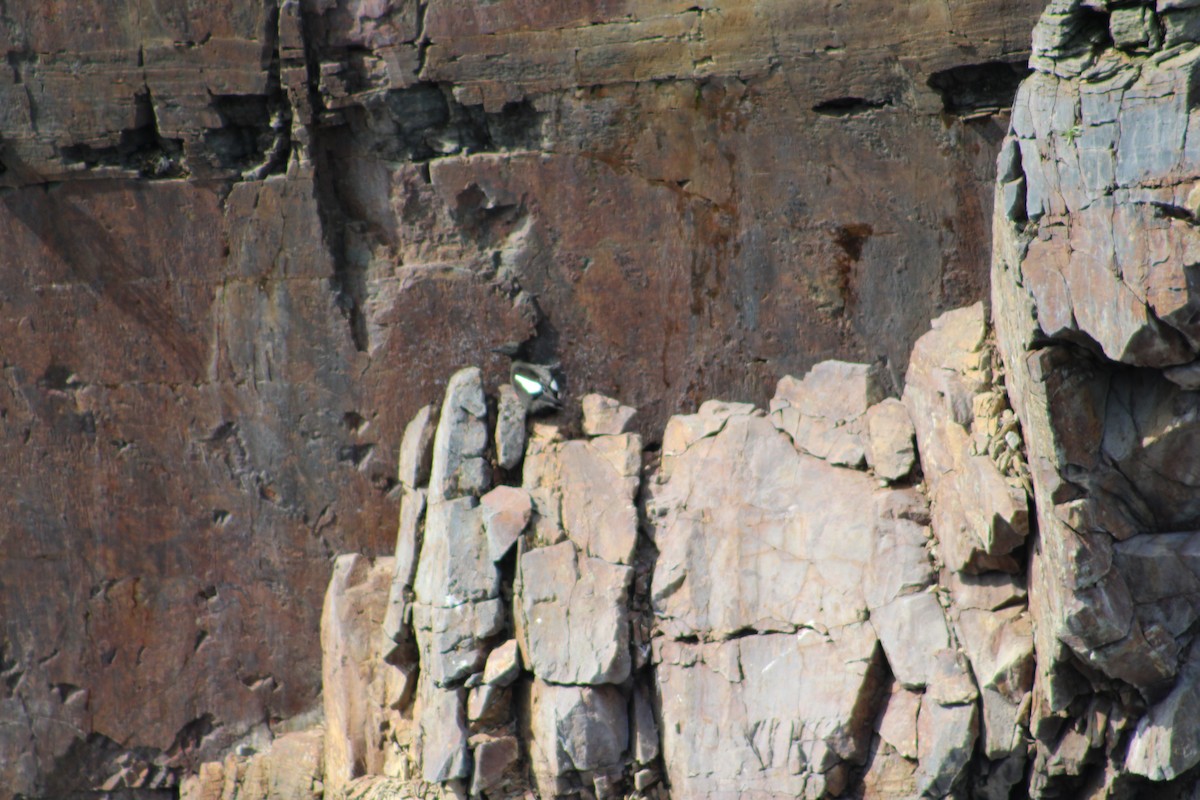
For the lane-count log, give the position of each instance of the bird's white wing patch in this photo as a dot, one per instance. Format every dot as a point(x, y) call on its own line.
point(530, 387)
point(554, 385)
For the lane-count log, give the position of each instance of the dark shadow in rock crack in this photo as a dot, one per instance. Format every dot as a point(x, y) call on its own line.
point(972, 88)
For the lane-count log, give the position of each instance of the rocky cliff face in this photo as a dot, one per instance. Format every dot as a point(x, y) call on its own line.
point(1095, 246)
point(768, 606)
point(245, 242)
point(984, 588)
point(966, 568)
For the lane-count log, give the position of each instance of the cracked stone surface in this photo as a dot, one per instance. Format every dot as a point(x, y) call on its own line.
point(748, 480)
point(589, 487)
point(290, 767)
point(824, 412)
point(605, 416)
point(1094, 314)
point(771, 562)
point(353, 674)
point(760, 686)
point(981, 514)
point(245, 243)
point(891, 449)
point(506, 512)
point(510, 428)
point(574, 732)
point(781, 713)
point(575, 621)
point(976, 474)
point(442, 734)
point(459, 467)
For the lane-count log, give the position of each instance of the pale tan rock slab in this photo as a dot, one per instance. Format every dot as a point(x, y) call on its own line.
point(510, 428)
point(685, 429)
point(503, 664)
point(824, 412)
point(572, 730)
point(396, 621)
point(296, 766)
point(771, 715)
point(442, 734)
point(574, 616)
point(898, 724)
point(999, 647)
point(453, 641)
point(455, 564)
point(645, 728)
point(456, 605)
point(742, 520)
point(352, 674)
point(891, 447)
point(599, 481)
point(416, 449)
point(945, 742)
point(506, 512)
point(605, 416)
point(911, 628)
point(458, 465)
point(494, 759)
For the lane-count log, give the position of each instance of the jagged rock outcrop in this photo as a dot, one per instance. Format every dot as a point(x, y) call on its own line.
point(575, 629)
point(972, 457)
point(354, 678)
point(291, 769)
point(761, 609)
point(245, 241)
point(757, 540)
point(1094, 245)
point(825, 413)
point(770, 623)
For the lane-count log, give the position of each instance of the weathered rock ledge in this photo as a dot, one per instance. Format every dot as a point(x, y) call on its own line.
point(782, 604)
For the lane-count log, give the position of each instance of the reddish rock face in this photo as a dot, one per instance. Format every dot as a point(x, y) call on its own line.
point(177, 454)
point(242, 247)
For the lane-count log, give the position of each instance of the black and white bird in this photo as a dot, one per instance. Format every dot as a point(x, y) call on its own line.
point(537, 385)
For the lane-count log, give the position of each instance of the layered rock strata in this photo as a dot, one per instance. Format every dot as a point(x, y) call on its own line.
point(245, 241)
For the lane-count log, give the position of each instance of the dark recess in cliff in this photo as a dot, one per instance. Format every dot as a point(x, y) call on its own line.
point(846, 106)
point(141, 148)
point(92, 761)
point(415, 124)
point(971, 88)
point(248, 132)
point(424, 121)
point(255, 132)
